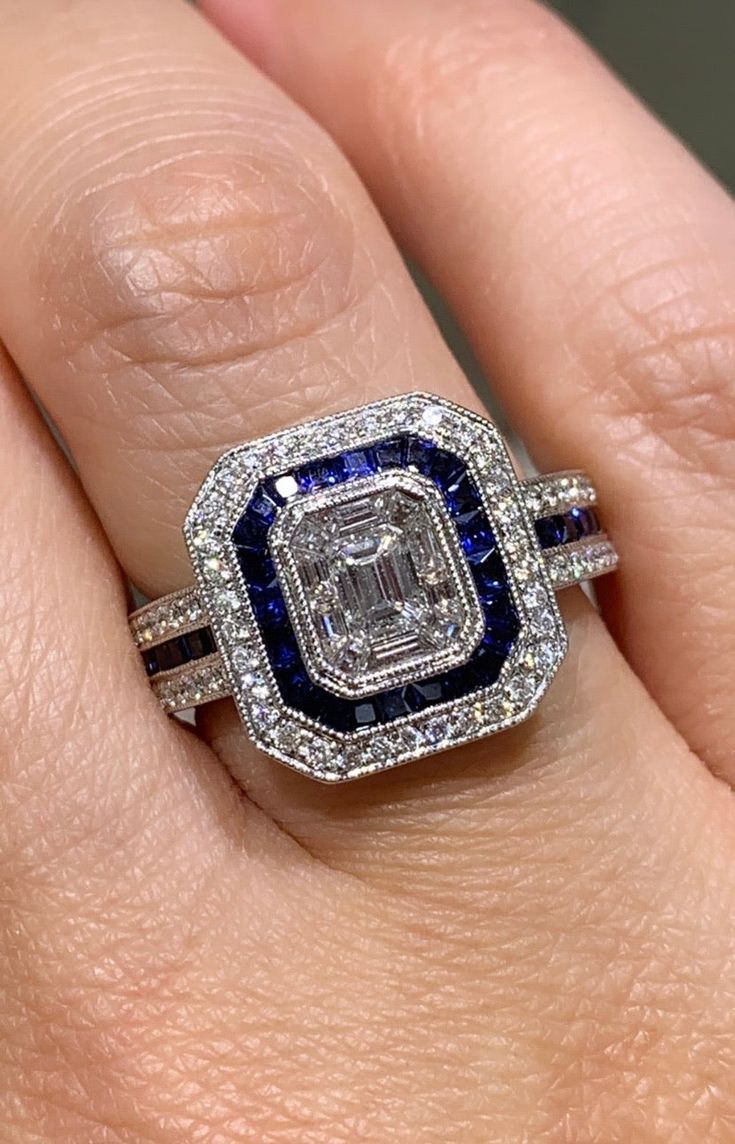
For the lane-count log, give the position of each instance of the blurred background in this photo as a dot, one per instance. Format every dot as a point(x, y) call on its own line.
point(679, 55)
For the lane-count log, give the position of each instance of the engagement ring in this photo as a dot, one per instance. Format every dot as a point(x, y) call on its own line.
point(373, 586)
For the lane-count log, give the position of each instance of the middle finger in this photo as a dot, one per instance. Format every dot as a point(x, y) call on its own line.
point(185, 260)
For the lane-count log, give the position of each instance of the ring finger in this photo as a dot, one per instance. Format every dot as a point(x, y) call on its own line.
point(187, 262)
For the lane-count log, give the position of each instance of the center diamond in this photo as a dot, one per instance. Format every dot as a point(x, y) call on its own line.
point(376, 583)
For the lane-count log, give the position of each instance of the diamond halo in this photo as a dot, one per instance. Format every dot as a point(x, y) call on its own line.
point(297, 738)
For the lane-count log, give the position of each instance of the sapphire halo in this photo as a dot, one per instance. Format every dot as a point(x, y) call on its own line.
point(373, 586)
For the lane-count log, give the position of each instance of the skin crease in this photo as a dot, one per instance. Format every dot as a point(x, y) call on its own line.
point(528, 940)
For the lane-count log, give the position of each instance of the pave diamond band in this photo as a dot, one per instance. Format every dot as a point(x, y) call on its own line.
point(373, 587)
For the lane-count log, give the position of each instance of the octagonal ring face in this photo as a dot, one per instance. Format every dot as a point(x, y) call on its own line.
point(375, 582)
point(318, 732)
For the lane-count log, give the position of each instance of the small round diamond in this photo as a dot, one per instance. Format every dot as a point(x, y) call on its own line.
point(432, 417)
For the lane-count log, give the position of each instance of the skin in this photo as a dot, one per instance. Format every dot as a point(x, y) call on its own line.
point(529, 940)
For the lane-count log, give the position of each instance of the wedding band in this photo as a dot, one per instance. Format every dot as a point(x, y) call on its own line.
point(373, 586)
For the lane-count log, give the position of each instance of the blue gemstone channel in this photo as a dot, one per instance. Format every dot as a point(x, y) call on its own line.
point(464, 504)
point(179, 650)
point(566, 527)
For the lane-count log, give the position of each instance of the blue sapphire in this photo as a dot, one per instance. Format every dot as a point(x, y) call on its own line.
point(392, 705)
point(420, 455)
point(583, 522)
point(261, 572)
point(265, 591)
point(283, 650)
point(490, 576)
point(199, 643)
point(178, 651)
point(500, 609)
point(334, 712)
point(297, 688)
point(366, 713)
point(499, 638)
point(593, 521)
point(457, 682)
point(251, 563)
point(478, 541)
point(172, 654)
point(488, 665)
point(251, 530)
point(359, 463)
point(320, 474)
point(391, 453)
point(264, 505)
point(480, 671)
point(553, 531)
point(445, 469)
point(463, 500)
point(564, 528)
point(423, 694)
point(269, 607)
point(284, 655)
point(250, 534)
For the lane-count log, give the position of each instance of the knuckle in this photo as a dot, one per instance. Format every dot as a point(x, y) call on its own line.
point(459, 53)
point(672, 360)
point(681, 389)
point(204, 263)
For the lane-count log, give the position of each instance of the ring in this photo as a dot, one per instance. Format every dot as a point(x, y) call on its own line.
point(373, 586)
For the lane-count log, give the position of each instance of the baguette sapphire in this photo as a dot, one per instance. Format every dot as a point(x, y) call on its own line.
point(566, 527)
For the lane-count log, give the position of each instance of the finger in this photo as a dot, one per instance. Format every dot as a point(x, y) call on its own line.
point(188, 1042)
point(67, 676)
point(87, 759)
point(219, 974)
point(154, 947)
point(188, 262)
point(591, 261)
point(140, 893)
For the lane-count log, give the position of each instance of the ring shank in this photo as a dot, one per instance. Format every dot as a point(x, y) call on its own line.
point(569, 564)
point(201, 680)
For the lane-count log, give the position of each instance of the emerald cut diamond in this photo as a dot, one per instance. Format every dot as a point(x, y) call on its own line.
point(375, 587)
point(376, 583)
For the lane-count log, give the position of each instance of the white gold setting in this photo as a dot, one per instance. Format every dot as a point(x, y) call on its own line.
point(195, 683)
point(438, 573)
point(171, 615)
point(571, 563)
point(556, 492)
point(292, 737)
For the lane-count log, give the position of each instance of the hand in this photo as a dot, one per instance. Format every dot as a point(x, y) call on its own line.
point(528, 940)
